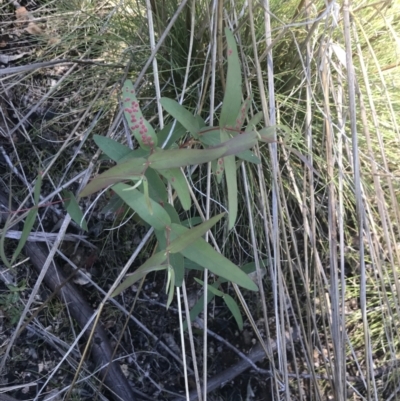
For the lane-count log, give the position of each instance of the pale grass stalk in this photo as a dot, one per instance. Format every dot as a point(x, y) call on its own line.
point(358, 198)
point(191, 340)
point(190, 333)
point(310, 233)
point(213, 45)
point(337, 336)
point(178, 296)
point(155, 65)
point(338, 94)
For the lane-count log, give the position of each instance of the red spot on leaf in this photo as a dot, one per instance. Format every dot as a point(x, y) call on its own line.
point(229, 52)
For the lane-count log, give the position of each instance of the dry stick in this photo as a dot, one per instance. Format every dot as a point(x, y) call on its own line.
point(81, 312)
point(256, 355)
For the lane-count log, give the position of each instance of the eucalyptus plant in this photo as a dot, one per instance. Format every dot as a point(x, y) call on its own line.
point(141, 178)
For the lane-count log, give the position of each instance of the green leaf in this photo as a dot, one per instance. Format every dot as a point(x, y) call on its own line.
point(182, 241)
point(178, 182)
point(135, 154)
point(210, 136)
point(268, 135)
point(218, 167)
point(177, 262)
point(192, 265)
point(249, 156)
point(255, 120)
point(129, 170)
point(2, 238)
point(192, 221)
point(30, 219)
point(170, 286)
point(157, 189)
point(234, 308)
point(146, 195)
point(164, 159)
point(241, 117)
point(151, 264)
point(185, 117)
point(199, 306)
point(114, 204)
point(239, 143)
point(158, 219)
point(140, 127)
point(233, 92)
point(204, 254)
point(178, 132)
point(73, 209)
point(214, 290)
point(231, 182)
point(114, 150)
point(172, 213)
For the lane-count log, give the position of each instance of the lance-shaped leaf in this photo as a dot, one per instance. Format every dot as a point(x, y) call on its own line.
point(241, 117)
point(131, 169)
point(157, 188)
point(170, 287)
point(135, 154)
point(141, 129)
point(218, 167)
point(210, 136)
point(233, 92)
point(211, 288)
point(184, 240)
point(238, 144)
point(114, 205)
point(74, 210)
point(199, 305)
point(205, 255)
point(152, 264)
point(172, 213)
point(157, 217)
point(230, 303)
point(30, 219)
point(234, 308)
point(267, 135)
point(178, 182)
point(113, 149)
point(254, 121)
point(170, 158)
point(176, 260)
point(249, 156)
point(185, 117)
point(178, 132)
point(118, 152)
point(231, 182)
